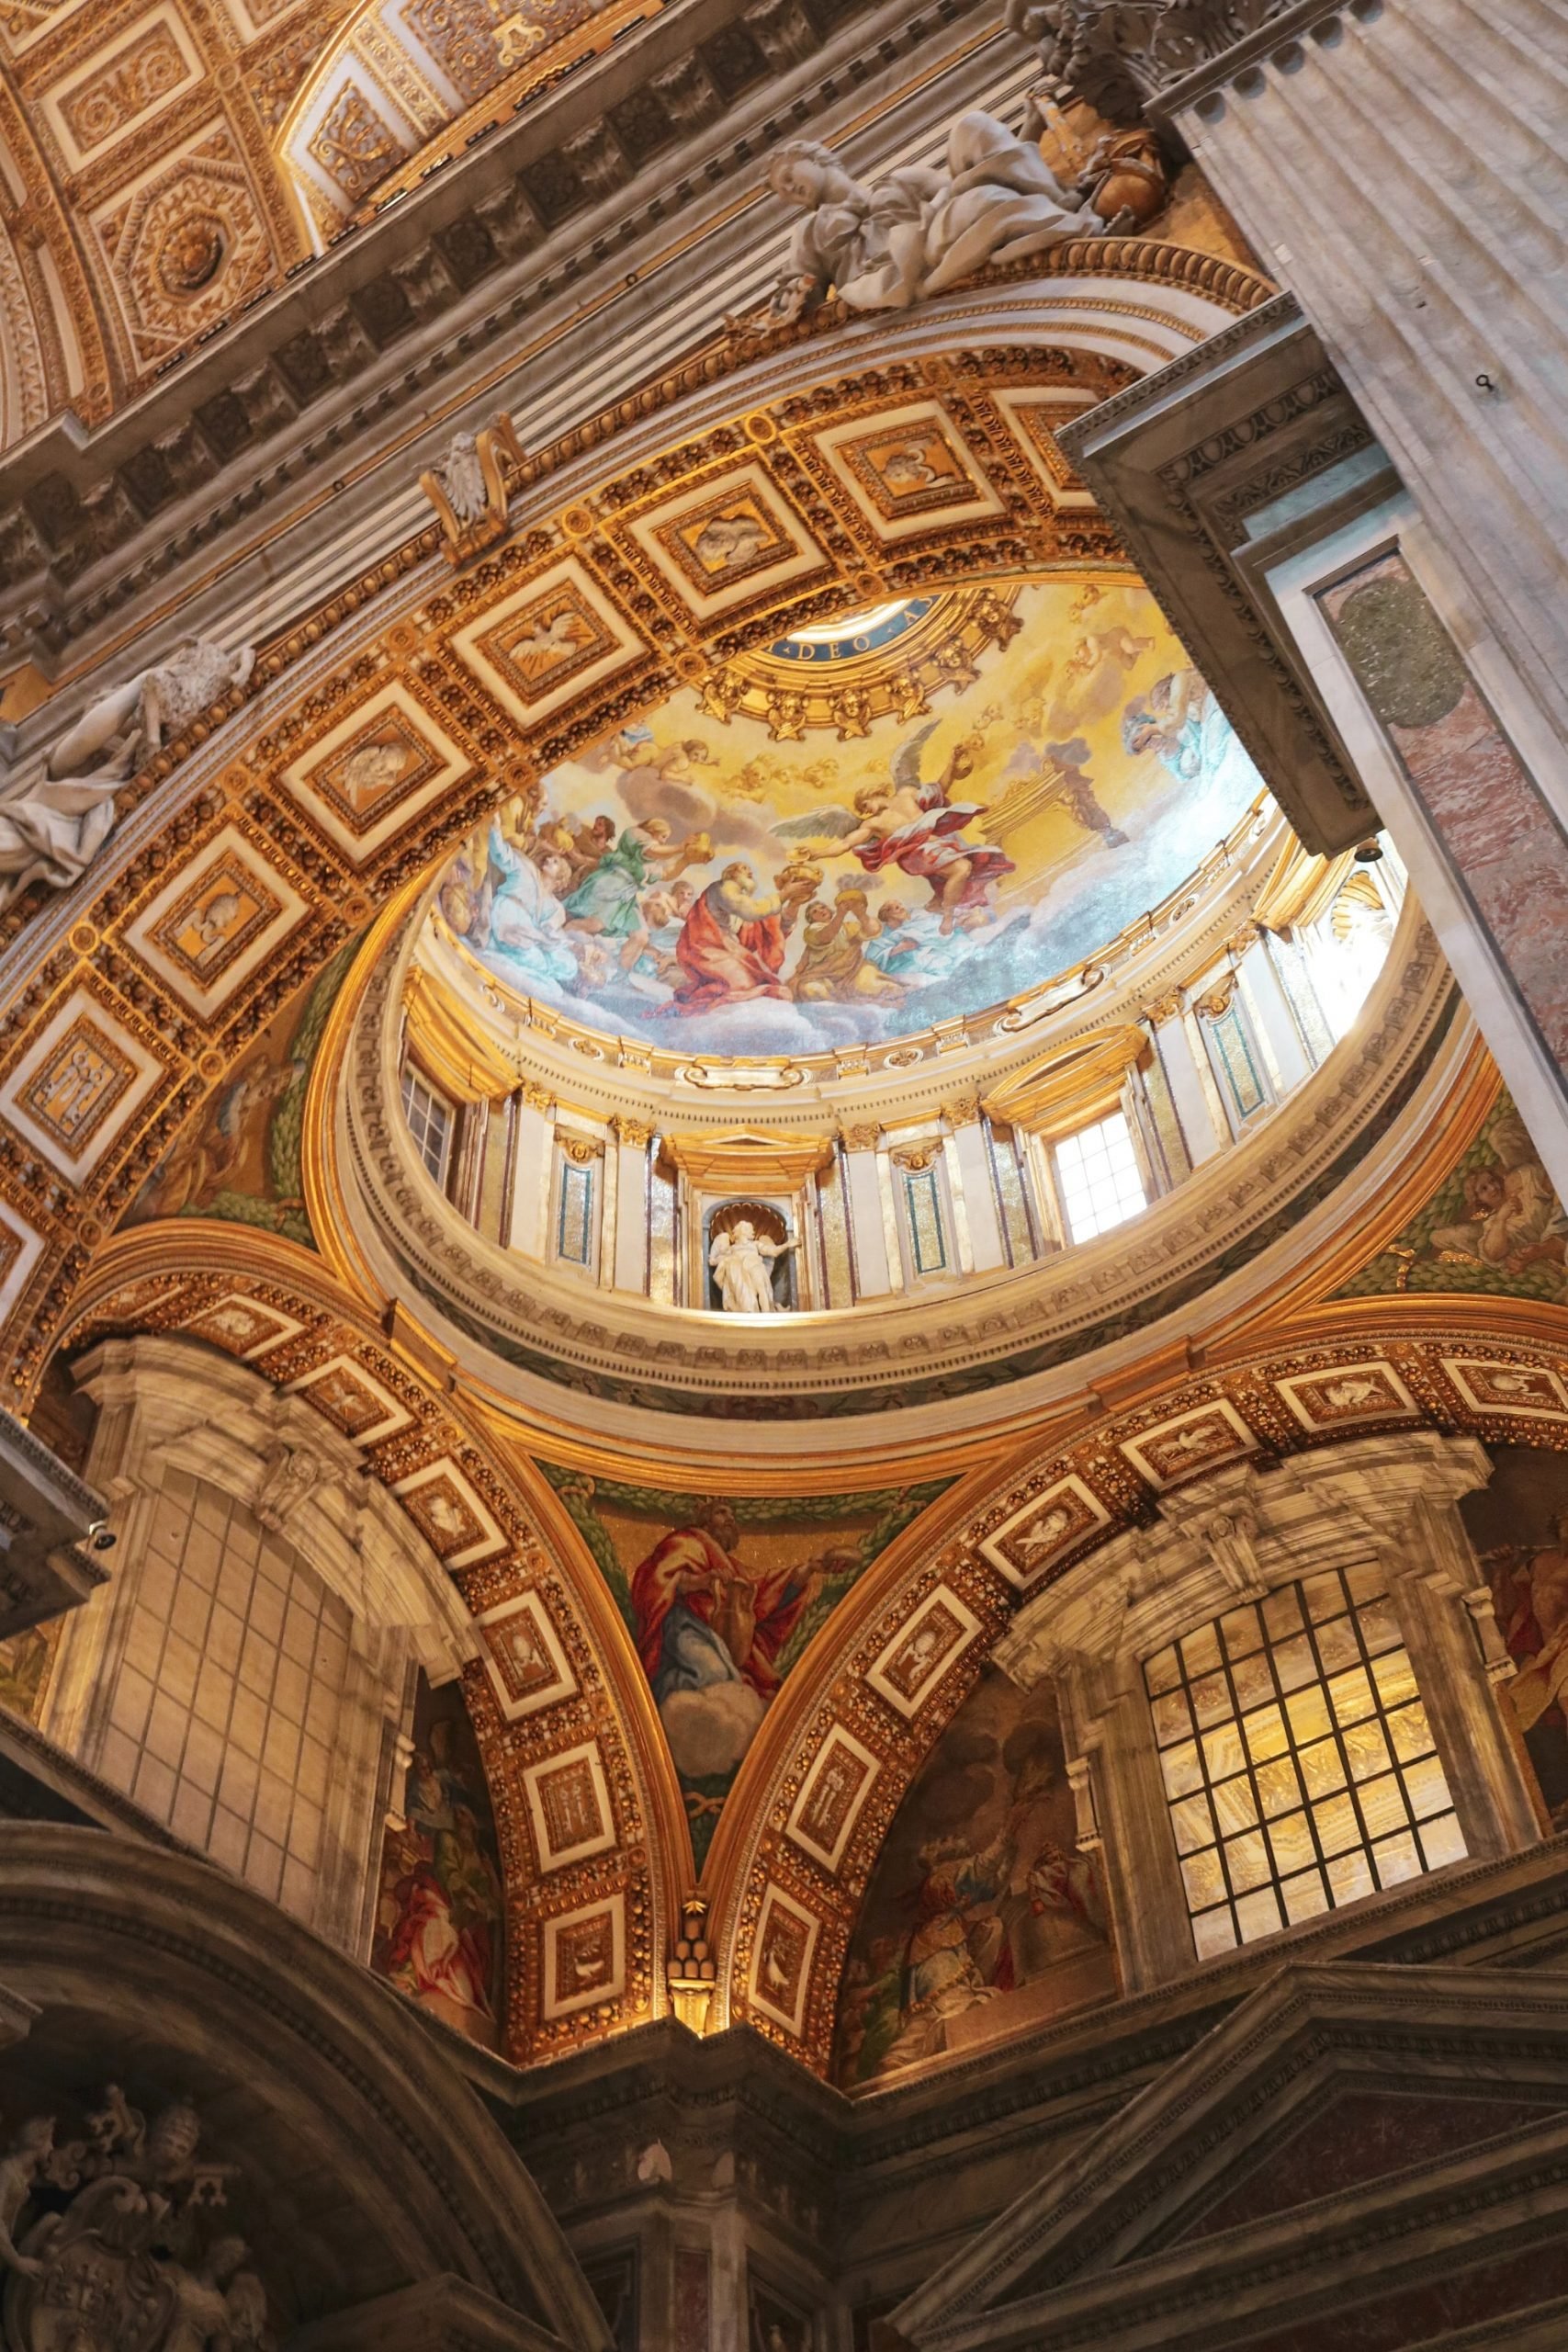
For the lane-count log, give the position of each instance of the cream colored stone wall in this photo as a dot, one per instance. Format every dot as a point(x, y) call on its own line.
point(224, 1714)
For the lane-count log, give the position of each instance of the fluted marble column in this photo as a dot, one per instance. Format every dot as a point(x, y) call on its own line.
point(1402, 166)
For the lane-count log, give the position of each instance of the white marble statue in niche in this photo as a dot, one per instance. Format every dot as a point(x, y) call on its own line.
point(897, 241)
point(53, 830)
point(742, 1261)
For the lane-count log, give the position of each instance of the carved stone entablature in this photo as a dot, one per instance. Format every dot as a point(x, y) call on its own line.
point(1194, 464)
point(1123, 58)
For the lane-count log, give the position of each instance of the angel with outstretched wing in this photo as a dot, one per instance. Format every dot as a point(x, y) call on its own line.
point(914, 826)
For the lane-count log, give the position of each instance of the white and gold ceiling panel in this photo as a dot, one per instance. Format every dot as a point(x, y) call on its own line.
point(353, 1399)
point(223, 915)
point(124, 85)
point(909, 471)
point(74, 1086)
point(1034, 416)
point(547, 642)
point(376, 769)
point(734, 538)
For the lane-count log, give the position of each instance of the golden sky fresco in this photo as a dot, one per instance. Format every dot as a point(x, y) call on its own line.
point(698, 883)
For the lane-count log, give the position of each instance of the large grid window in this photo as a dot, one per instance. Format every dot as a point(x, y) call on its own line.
point(1098, 1172)
point(1299, 1764)
point(430, 1122)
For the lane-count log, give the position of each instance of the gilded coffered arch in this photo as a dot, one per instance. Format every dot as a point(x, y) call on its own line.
point(442, 663)
point(142, 178)
point(587, 1815)
point(821, 1786)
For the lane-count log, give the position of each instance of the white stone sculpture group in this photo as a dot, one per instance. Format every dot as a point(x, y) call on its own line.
point(897, 241)
point(742, 1261)
point(53, 830)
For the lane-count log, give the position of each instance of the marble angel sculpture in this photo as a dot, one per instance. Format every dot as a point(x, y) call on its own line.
point(742, 1261)
point(897, 241)
point(53, 830)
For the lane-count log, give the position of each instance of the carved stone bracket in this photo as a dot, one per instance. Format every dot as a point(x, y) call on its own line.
point(1123, 59)
point(45, 1510)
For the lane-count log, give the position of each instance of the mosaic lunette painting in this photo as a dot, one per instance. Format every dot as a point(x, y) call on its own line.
point(981, 1917)
point(1518, 1525)
point(439, 1920)
point(721, 1597)
point(1494, 1225)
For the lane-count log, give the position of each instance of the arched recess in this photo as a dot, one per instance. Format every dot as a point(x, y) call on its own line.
point(377, 2196)
point(404, 647)
point(1394, 1364)
point(268, 1304)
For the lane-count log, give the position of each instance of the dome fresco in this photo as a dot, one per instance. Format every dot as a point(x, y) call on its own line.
point(712, 886)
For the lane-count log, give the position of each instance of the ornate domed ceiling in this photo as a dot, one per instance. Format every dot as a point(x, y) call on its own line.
point(917, 812)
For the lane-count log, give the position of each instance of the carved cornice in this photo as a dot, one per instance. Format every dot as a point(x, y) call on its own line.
point(280, 392)
point(1155, 56)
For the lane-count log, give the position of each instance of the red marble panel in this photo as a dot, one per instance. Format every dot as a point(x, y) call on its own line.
point(1363, 2136)
point(1502, 840)
point(1421, 2310)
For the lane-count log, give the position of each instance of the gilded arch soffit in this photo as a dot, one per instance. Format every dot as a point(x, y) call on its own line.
point(883, 1688)
point(269, 1303)
point(445, 663)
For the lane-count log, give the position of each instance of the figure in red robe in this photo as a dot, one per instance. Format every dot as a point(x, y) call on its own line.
point(701, 1618)
point(731, 946)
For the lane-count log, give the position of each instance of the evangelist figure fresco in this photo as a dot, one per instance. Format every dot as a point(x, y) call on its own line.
point(699, 885)
point(1494, 1225)
point(721, 1599)
point(981, 1917)
point(238, 1156)
point(438, 1917)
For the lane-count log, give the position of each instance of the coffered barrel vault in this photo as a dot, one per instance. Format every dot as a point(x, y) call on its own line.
point(782, 1255)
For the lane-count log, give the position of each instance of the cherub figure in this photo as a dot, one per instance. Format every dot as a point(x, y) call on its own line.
point(24, 2160)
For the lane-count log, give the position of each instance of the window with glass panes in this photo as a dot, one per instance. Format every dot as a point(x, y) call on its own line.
point(1096, 1174)
point(1299, 1765)
point(430, 1122)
